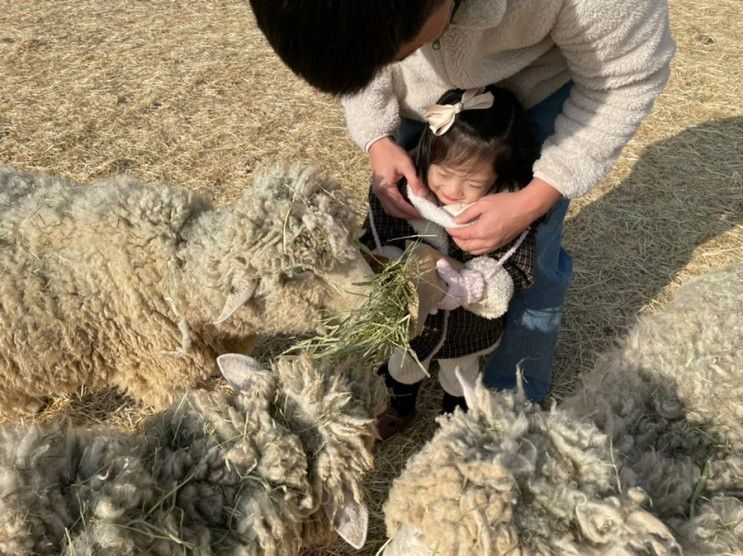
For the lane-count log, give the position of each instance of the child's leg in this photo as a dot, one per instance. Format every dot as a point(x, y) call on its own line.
point(533, 318)
point(403, 378)
point(469, 368)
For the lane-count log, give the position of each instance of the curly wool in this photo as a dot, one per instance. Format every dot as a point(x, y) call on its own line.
point(256, 472)
point(669, 396)
point(332, 410)
point(54, 480)
point(241, 479)
point(717, 530)
point(119, 283)
point(507, 478)
point(667, 400)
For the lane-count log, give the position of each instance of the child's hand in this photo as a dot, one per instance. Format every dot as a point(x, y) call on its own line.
point(389, 164)
point(465, 286)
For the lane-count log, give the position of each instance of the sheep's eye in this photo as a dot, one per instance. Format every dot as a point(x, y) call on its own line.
point(298, 272)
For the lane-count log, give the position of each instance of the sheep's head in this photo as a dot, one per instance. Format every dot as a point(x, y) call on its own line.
point(283, 254)
point(331, 409)
point(509, 478)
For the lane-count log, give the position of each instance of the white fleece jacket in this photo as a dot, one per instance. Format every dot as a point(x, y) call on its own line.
point(616, 52)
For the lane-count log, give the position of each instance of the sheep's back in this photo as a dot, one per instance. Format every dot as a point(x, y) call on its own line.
point(671, 390)
point(83, 269)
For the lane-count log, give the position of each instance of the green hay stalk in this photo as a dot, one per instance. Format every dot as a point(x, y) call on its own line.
point(374, 329)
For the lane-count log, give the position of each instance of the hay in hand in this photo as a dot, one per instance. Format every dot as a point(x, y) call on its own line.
point(387, 319)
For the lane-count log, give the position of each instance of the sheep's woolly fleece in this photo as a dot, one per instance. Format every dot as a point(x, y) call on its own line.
point(141, 287)
point(263, 471)
point(507, 478)
point(670, 397)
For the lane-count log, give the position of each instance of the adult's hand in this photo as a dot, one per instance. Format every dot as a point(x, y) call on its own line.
point(498, 219)
point(389, 164)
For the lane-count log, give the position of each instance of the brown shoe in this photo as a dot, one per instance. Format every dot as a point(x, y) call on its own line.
point(390, 423)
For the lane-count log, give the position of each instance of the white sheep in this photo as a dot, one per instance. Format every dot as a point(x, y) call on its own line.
point(717, 529)
point(660, 415)
point(670, 397)
point(141, 287)
point(270, 469)
point(508, 478)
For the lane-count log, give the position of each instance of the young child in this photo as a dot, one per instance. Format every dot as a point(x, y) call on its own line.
point(477, 142)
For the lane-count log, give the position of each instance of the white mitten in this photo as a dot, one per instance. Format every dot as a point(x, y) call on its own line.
point(465, 286)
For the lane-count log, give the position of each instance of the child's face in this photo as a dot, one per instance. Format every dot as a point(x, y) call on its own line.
point(464, 183)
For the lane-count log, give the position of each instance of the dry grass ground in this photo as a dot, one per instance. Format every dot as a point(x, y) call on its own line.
point(188, 94)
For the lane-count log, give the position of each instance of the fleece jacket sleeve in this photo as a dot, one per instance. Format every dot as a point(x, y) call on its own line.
point(373, 113)
point(619, 55)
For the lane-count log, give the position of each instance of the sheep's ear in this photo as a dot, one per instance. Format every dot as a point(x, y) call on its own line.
point(351, 522)
point(235, 300)
point(239, 370)
point(468, 388)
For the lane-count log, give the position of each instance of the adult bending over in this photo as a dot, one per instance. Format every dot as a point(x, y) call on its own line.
point(587, 71)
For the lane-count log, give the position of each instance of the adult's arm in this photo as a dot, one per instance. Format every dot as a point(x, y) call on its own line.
point(619, 55)
point(373, 118)
point(373, 113)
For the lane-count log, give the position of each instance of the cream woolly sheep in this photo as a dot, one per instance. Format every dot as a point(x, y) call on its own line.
point(263, 471)
point(670, 398)
point(63, 487)
point(667, 413)
point(507, 478)
point(717, 530)
point(141, 287)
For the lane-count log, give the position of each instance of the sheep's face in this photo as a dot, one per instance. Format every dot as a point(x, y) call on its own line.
point(286, 252)
point(294, 300)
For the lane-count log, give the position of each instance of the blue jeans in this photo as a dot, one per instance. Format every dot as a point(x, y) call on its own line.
point(533, 318)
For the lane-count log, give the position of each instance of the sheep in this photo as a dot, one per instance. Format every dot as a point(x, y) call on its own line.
point(56, 480)
point(269, 469)
point(669, 396)
point(141, 287)
point(508, 478)
point(644, 457)
point(717, 530)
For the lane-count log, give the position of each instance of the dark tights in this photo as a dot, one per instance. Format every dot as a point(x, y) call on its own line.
point(404, 396)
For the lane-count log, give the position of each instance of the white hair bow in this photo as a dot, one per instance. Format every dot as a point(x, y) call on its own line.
point(441, 117)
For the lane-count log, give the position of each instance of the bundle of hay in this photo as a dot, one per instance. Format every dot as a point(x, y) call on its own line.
point(141, 287)
point(270, 469)
point(399, 296)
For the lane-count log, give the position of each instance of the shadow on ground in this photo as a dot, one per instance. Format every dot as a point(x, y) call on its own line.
point(631, 244)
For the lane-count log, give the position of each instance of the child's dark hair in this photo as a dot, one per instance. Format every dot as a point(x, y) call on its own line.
point(500, 133)
point(339, 46)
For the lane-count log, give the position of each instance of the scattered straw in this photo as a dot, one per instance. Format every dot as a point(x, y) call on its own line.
point(189, 94)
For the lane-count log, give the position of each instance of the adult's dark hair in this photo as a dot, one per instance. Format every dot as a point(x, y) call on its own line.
point(499, 134)
point(339, 46)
